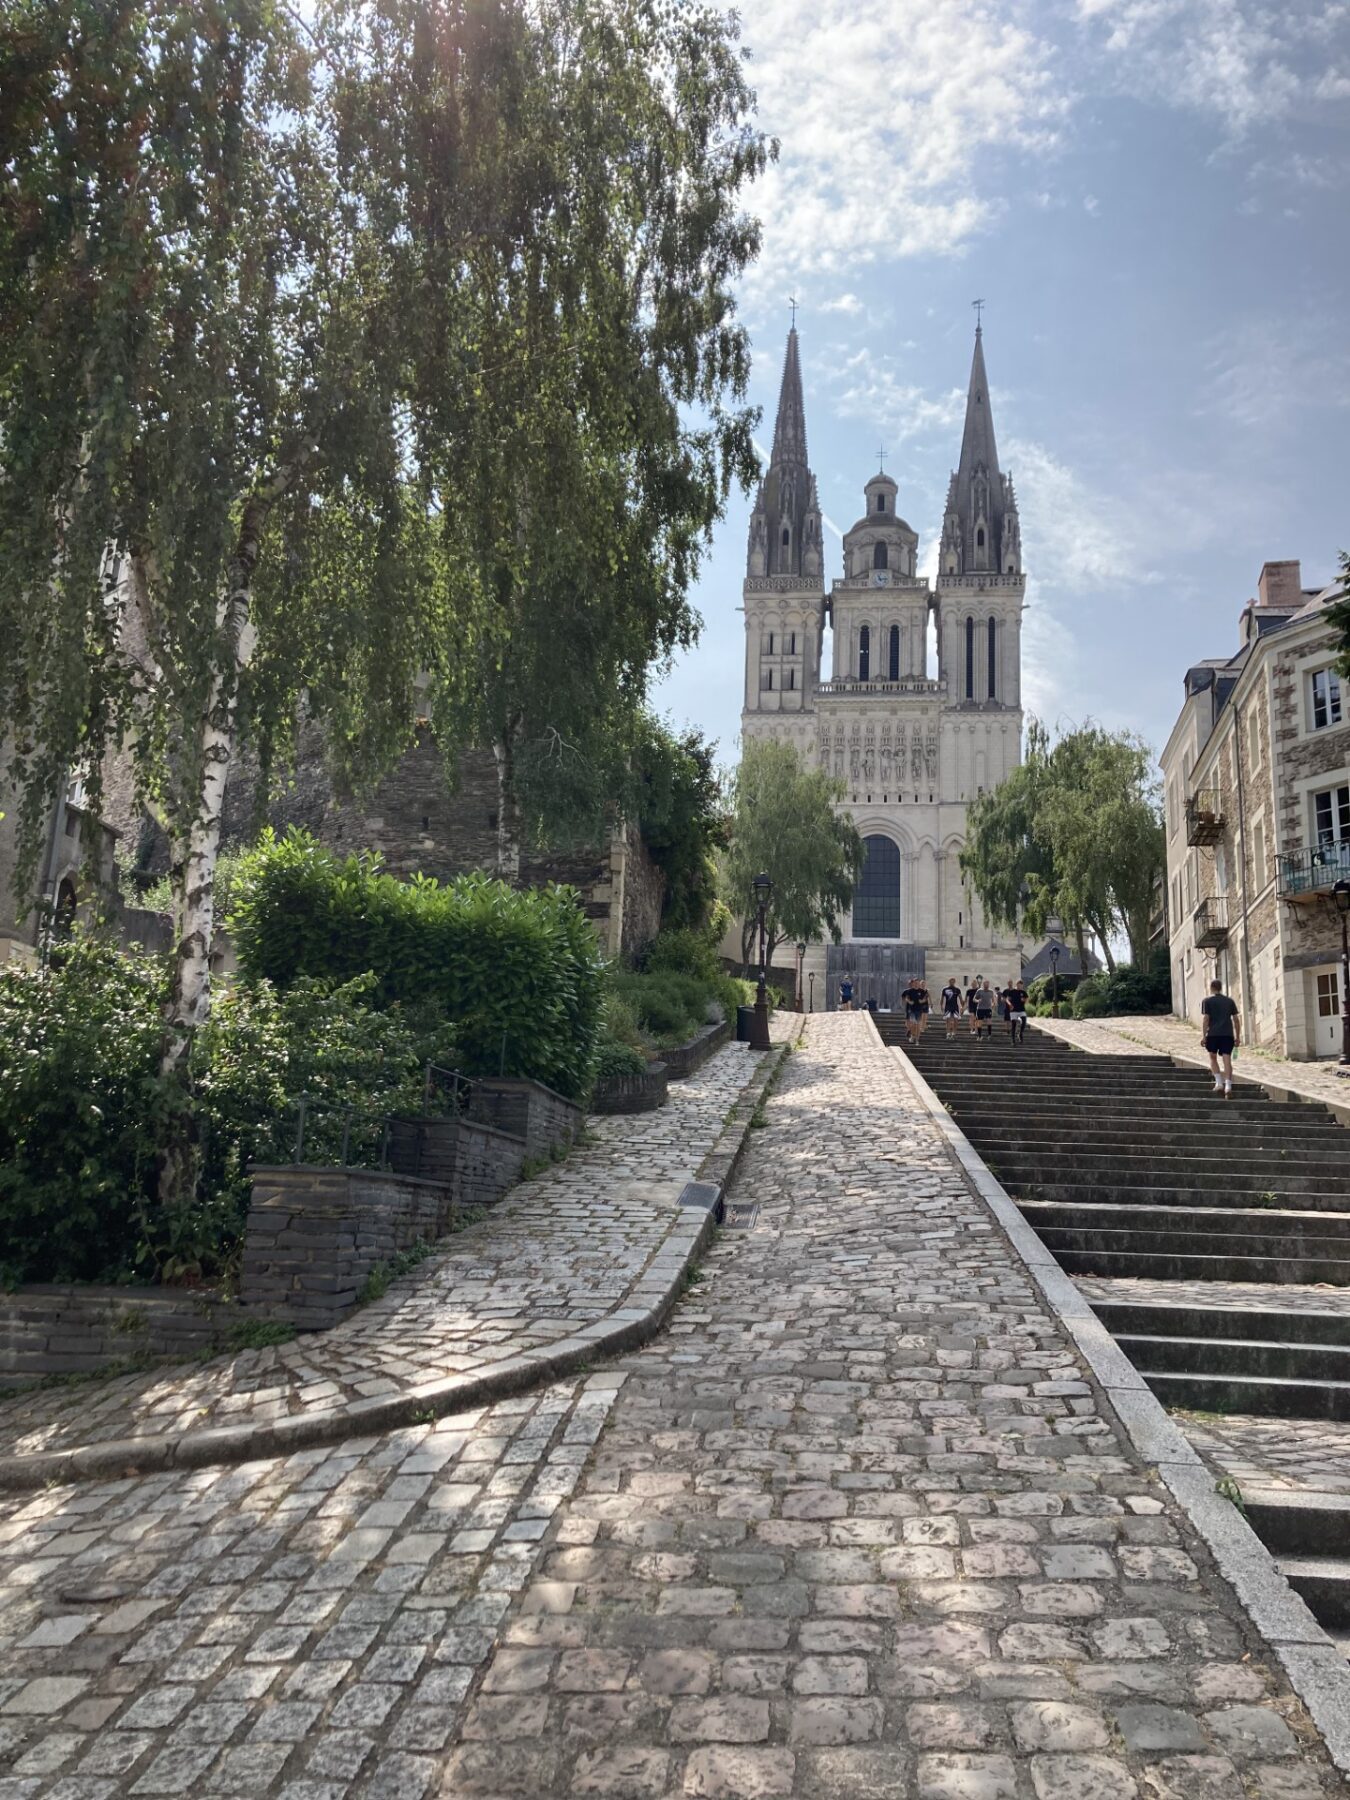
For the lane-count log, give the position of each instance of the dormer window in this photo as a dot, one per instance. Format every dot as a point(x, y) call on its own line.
point(881, 502)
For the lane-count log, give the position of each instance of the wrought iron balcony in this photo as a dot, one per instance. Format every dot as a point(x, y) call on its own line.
point(1204, 816)
point(1304, 874)
point(1211, 922)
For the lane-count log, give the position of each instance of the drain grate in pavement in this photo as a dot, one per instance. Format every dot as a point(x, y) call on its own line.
point(740, 1215)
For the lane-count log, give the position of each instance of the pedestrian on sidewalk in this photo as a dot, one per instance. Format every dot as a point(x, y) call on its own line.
point(984, 1008)
point(1015, 999)
point(950, 1000)
point(912, 1001)
point(1220, 1033)
point(846, 994)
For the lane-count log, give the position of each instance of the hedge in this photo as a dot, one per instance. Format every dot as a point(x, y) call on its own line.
point(516, 973)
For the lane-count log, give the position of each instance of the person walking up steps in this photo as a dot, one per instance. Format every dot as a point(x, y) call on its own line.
point(950, 1000)
point(846, 995)
point(984, 1009)
point(971, 994)
point(912, 1000)
point(925, 1007)
point(1220, 1033)
point(1015, 999)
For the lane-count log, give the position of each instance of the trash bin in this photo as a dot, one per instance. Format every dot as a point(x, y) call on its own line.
point(744, 1016)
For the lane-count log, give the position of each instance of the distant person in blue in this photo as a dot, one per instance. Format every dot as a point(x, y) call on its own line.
point(846, 995)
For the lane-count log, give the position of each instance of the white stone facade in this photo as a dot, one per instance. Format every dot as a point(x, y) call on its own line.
point(922, 708)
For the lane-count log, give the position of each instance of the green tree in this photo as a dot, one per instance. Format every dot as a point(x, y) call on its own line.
point(1075, 833)
point(1338, 614)
point(786, 823)
point(576, 368)
point(189, 351)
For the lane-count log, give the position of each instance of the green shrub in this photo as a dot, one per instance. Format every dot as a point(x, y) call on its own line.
point(615, 1061)
point(82, 1112)
point(669, 1008)
point(1043, 988)
point(517, 974)
point(1089, 1000)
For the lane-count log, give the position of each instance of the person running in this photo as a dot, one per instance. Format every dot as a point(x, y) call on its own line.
point(1015, 998)
point(846, 995)
point(912, 1000)
point(971, 994)
point(926, 1006)
point(1220, 1033)
point(984, 1009)
point(950, 1002)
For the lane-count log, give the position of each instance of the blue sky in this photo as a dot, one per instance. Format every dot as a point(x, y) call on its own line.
point(1152, 197)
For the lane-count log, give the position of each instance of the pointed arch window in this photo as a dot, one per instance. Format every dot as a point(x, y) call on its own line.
point(881, 502)
point(787, 536)
point(876, 899)
point(865, 653)
point(970, 658)
point(979, 539)
point(893, 654)
point(879, 560)
point(993, 656)
point(792, 679)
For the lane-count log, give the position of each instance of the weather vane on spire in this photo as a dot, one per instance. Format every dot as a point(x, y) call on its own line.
point(979, 313)
point(792, 302)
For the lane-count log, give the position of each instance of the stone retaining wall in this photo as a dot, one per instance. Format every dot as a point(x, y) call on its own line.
point(632, 1093)
point(529, 1110)
point(686, 1058)
point(314, 1235)
point(71, 1330)
point(475, 1161)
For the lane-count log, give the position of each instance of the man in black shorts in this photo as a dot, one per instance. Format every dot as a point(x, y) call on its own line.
point(913, 1000)
point(984, 1009)
point(971, 992)
point(1220, 1033)
point(950, 1000)
point(1015, 1000)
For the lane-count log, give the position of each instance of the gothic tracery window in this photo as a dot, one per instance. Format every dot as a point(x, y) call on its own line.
point(970, 658)
point(865, 653)
point(993, 656)
point(893, 657)
point(876, 899)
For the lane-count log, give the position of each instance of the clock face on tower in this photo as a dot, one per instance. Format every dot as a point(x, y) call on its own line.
point(879, 577)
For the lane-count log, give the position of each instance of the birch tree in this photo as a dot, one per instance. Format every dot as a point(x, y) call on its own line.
point(187, 354)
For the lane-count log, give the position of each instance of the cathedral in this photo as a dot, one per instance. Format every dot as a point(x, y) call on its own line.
point(921, 707)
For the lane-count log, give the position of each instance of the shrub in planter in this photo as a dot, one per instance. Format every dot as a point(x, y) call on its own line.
point(517, 973)
point(615, 1061)
point(82, 1107)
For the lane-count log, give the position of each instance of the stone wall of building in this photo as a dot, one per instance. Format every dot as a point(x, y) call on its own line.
point(72, 1330)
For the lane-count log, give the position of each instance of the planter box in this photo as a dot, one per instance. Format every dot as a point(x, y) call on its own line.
point(632, 1093)
point(688, 1057)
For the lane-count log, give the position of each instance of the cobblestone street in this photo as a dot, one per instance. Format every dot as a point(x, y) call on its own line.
point(559, 1253)
point(856, 1524)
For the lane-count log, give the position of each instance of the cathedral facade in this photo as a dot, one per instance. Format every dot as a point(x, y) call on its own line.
point(920, 709)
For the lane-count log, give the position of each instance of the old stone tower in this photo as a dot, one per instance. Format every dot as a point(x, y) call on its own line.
point(921, 708)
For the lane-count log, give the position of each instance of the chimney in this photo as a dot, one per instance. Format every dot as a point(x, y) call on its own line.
point(1279, 585)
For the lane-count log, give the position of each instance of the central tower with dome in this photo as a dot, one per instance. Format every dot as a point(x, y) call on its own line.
point(921, 710)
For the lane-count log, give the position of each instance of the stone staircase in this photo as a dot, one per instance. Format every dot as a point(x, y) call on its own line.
point(1167, 1202)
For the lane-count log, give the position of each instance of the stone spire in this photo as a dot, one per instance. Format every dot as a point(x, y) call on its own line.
point(785, 537)
point(980, 532)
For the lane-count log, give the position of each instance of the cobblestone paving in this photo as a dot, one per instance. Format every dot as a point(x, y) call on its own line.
point(1308, 1456)
point(854, 1526)
point(857, 1526)
point(558, 1253)
point(1225, 1296)
point(1149, 1034)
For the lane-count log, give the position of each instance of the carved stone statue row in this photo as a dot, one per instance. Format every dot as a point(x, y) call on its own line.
point(913, 756)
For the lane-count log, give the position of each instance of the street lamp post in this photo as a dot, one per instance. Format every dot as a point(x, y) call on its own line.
point(801, 952)
point(811, 991)
point(1054, 978)
point(759, 1025)
point(1341, 895)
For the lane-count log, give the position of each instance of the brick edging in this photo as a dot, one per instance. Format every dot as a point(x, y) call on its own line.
point(639, 1316)
point(1316, 1669)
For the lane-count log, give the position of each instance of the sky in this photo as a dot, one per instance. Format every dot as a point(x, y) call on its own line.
point(1151, 197)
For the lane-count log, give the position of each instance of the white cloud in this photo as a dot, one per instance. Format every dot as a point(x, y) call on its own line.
point(887, 112)
point(842, 303)
point(1262, 373)
point(866, 385)
point(1244, 62)
point(1076, 540)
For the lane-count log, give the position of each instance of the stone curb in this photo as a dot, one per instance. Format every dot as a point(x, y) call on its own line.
point(1317, 1671)
point(640, 1315)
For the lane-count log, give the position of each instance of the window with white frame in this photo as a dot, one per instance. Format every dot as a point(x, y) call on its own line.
point(1254, 738)
point(1258, 853)
point(1324, 697)
point(1331, 816)
point(1328, 996)
point(1173, 809)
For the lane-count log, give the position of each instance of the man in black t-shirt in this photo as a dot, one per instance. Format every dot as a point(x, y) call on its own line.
point(950, 1001)
point(971, 992)
point(1220, 1033)
point(914, 1000)
point(1015, 1000)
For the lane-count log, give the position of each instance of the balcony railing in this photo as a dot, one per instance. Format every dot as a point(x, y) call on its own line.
point(1310, 872)
point(1204, 816)
point(1211, 922)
